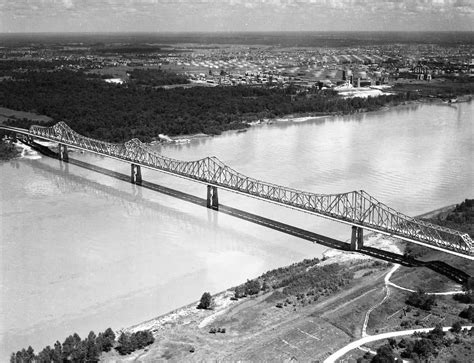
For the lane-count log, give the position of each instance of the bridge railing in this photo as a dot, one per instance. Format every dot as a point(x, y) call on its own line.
point(356, 207)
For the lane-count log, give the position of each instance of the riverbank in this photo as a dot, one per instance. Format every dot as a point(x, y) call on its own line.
point(191, 325)
point(190, 316)
point(300, 118)
point(249, 322)
point(329, 256)
point(247, 120)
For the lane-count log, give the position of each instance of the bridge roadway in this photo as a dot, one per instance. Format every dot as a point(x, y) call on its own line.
point(357, 208)
point(79, 182)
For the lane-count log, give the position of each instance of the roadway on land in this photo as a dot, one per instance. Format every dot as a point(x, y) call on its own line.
point(387, 286)
point(373, 338)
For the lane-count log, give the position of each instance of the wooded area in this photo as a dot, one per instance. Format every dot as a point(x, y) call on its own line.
point(120, 112)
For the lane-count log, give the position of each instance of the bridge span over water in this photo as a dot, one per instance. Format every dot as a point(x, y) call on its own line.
point(356, 208)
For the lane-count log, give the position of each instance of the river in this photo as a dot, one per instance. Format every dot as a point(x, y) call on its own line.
point(82, 251)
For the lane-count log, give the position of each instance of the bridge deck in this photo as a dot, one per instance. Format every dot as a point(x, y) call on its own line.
point(355, 208)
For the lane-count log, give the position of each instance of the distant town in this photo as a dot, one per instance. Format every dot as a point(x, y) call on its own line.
point(353, 71)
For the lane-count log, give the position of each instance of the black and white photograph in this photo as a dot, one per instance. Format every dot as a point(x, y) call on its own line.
point(237, 181)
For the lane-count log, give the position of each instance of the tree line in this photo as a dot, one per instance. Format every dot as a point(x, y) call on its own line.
point(118, 113)
point(421, 347)
point(305, 280)
point(75, 349)
point(14, 67)
point(72, 349)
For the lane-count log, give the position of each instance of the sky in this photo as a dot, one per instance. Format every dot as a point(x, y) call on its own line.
point(234, 15)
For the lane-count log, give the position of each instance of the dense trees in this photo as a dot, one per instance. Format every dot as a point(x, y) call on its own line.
point(120, 112)
point(239, 291)
point(128, 343)
point(384, 355)
point(421, 300)
point(468, 314)
point(7, 150)
point(206, 301)
point(88, 350)
point(252, 287)
point(106, 340)
point(304, 280)
point(422, 347)
point(319, 280)
point(72, 349)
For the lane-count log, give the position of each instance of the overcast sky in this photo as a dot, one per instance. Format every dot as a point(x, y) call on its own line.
point(233, 15)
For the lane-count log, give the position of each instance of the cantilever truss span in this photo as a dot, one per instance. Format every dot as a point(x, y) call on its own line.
point(356, 208)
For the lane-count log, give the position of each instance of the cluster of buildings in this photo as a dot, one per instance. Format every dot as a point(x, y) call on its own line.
point(271, 66)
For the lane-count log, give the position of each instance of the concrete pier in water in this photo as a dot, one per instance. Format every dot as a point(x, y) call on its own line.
point(212, 197)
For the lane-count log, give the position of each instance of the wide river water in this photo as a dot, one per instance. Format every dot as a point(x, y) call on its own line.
point(82, 251)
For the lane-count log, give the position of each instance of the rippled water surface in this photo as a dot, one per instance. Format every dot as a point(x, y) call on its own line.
point(82, 251)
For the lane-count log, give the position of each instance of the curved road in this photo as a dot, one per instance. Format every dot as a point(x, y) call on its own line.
point(387, 294)
point(372, 338)
point(397, 266)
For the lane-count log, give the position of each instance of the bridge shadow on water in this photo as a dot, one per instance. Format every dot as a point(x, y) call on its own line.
point(437, 266)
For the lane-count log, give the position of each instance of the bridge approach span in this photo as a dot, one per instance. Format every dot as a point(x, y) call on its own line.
point(356, 208)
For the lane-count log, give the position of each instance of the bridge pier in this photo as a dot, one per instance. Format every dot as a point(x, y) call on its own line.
point(212, 197)
point(357, 239)
point(62, 151)
point(136, 174)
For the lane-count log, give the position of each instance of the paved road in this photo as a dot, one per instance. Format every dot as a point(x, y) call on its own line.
point(454, 292)
point(388, 283)
point(370, 338)
point(356, 344)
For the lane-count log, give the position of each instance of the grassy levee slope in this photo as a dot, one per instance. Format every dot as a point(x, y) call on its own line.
point(304, 311)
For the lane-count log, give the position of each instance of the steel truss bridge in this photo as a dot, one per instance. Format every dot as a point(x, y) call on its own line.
point(356, 208)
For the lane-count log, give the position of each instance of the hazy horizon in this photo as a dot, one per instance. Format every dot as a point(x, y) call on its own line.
point(188, 32)
point(177, 16)
point(267, 38)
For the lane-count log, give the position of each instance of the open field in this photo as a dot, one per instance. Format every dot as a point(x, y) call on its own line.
point(258, 330)
point(6, 113)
